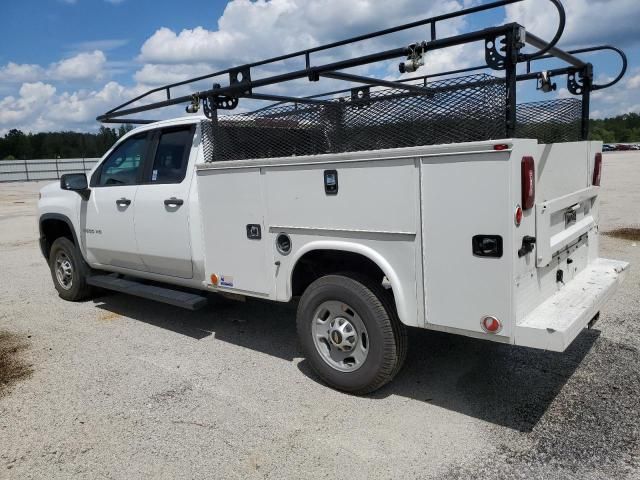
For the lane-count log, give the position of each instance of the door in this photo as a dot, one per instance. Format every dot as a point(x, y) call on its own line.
point(162, 204)
point(108, 215)
point(237, 242)
point(465, 196)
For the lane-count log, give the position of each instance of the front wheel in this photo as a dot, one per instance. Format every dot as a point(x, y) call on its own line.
point(69, 270)
point(350, 333)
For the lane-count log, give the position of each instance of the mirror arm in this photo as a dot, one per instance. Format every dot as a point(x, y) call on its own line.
point(85, 194)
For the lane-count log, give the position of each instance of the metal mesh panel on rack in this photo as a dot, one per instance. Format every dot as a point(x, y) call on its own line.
point(550, 121)
point(452, 110)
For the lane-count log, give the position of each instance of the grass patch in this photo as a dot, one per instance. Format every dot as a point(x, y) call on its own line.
point(626, 233)
point(12, 367)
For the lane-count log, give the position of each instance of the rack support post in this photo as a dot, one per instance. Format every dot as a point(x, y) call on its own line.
point(512, 50)
point(587, 83)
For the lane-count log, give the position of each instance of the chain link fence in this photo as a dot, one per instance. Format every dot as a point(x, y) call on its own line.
point(43, 169)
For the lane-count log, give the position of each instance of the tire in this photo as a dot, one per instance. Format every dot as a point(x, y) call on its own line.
point(344, 301)
point(69, 271)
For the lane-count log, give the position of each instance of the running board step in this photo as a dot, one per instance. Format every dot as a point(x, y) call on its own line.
point(190, 301)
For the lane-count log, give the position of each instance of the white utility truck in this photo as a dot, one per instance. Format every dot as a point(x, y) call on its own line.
point(415, 203)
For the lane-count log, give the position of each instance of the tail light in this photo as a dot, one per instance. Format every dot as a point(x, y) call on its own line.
point(528, 174)
point(518, 215)
point(490, 324)
point(597, 169)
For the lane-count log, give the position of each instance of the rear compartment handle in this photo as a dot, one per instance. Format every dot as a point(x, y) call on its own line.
point(527, 245)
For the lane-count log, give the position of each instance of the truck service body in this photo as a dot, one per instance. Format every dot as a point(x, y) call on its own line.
point(495, 239)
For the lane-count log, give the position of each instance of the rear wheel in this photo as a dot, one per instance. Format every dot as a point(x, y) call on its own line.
point(350, 332)
point(68, 270)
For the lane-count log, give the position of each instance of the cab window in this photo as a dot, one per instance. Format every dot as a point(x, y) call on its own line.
point(172, 155)
point(122, 167)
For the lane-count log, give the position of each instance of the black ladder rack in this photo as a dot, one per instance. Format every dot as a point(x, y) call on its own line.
point(503, 47)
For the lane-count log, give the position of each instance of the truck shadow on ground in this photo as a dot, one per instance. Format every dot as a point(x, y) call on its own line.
point(501, 384)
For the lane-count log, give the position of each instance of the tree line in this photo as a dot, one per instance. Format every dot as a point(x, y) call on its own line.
point(17, 145)
point(623, 128)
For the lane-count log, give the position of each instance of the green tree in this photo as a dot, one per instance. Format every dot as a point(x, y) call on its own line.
point(124, 129)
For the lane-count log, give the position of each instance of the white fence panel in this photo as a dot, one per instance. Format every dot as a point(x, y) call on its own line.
point(43, 169)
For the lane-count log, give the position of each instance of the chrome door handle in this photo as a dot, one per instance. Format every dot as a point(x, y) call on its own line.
point(173, 202)
point(123, 202)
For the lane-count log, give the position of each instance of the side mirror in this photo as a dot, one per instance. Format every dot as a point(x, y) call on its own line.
point(76, 182)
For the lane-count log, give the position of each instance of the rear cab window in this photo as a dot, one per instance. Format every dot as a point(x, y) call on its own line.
point(171, 155)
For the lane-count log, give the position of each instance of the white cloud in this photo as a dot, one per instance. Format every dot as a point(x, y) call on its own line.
point(155, 74)
point(103, 45)
point(588, 23)
point(33, 97)
point(623, 98)
point(18, 73)
point(84, 66)
point(249, 31)
point(634, 82)
point(39, 107)
point(252, 30)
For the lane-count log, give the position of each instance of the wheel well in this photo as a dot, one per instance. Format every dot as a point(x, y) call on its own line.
point(50, 230)
point(317, 263)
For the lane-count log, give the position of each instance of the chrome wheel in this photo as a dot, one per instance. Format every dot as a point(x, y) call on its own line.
point(340, 336)
point(64, 270)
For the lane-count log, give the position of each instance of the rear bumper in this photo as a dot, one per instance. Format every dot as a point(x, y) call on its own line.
point(555, 323)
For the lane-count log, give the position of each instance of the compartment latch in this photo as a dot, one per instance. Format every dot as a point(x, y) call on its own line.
point(527, 245)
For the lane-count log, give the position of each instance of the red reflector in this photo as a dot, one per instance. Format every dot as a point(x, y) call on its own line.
point(490, 324)
point(501, 146)
point(597, 170)
point(528, 175)
point(518, 216)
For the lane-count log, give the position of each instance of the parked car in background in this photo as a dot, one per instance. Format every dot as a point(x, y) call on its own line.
point(623, 146)
point(608, 148)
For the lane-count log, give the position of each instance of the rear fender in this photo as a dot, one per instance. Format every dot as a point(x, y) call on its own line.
point(406, 315)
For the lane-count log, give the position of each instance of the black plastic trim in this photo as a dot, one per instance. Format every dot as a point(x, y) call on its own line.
point(44, 245)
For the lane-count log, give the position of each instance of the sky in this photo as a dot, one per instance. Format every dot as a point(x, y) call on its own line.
point(67, 61)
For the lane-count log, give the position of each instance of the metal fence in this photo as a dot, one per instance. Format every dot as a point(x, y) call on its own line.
point(43, 169)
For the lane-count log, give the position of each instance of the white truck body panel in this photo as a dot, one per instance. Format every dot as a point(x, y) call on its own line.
point(411, 211)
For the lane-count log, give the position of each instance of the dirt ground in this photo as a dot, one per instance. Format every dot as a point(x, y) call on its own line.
point(12, 367)
point(124, 388)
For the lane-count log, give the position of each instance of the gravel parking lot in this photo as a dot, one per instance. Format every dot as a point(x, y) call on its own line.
point(120, 387)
